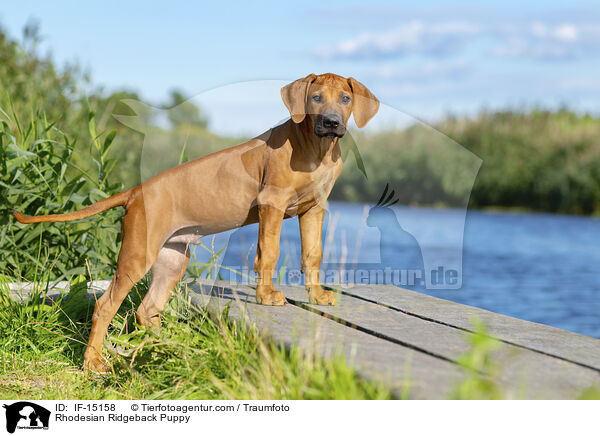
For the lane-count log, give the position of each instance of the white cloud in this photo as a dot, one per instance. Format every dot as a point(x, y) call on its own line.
point(536, 40)
point(580, 84)
point(561, 32)
point(549, 42)
point(566, 32)
point(425, 73)
point(413, 37)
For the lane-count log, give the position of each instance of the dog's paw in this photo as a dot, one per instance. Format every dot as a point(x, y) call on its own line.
point(95, 365)
point(270, 297)
point(317, 295)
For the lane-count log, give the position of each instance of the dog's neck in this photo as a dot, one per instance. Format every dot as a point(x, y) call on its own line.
point(319, 147)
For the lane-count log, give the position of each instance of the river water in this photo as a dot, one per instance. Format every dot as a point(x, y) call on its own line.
point(538, 267)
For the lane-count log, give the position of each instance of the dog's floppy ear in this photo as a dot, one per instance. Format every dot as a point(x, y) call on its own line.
point(365, 103)
point(294, 97)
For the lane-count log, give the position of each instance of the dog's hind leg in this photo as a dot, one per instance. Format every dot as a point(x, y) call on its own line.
point(135, 259)
point(168, 269)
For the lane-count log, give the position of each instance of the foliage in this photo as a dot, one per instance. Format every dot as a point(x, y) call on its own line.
point(536, 159)
point(31, 86)
point(481, 382)
point(590, 394)
point(423, 166)
point(532, 159)
point(54, 158)
point(184, 113)
point(38, 176)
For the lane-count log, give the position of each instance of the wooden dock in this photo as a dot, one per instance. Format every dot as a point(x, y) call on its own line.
point(411, 341)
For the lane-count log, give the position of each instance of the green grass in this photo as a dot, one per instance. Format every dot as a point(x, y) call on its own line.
point(191, 357)
point(482, 379)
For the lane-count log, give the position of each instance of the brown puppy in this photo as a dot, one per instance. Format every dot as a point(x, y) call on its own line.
point(287, 171)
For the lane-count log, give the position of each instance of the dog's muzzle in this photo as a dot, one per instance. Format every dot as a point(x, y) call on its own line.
point(329, 125)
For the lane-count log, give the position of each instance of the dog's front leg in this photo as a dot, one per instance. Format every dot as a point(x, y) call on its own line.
point(267, 253)
point(311, 225)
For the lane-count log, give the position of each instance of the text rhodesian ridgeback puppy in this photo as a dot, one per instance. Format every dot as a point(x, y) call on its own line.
point(287, 171)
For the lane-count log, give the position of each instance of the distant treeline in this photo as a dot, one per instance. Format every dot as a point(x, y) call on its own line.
point(540, 160)
point(533, 159)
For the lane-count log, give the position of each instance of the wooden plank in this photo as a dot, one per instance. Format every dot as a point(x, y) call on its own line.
point(522, 372)
point(22, 291)
point(571, 346)
point(374, 358)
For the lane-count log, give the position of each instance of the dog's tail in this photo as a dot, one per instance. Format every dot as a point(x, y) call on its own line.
point(116, 200)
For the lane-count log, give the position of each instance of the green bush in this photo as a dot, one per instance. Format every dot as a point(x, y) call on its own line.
point(54, 159)
point(535, 159)
point(423, 166)
point(38, 176)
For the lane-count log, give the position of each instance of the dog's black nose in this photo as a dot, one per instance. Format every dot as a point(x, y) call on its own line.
point(331, 121)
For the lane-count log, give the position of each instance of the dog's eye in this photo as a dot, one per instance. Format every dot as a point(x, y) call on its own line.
point(346, 99)
point(316, 98)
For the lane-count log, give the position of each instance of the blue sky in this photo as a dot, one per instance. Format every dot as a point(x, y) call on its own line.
point(425, 60)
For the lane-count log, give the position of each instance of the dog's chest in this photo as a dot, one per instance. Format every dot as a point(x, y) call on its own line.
point(315, 187)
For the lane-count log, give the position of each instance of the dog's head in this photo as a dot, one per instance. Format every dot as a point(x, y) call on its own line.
point(328, 100)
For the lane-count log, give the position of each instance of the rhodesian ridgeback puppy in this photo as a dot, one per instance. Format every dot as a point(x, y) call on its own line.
point(287, 171)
